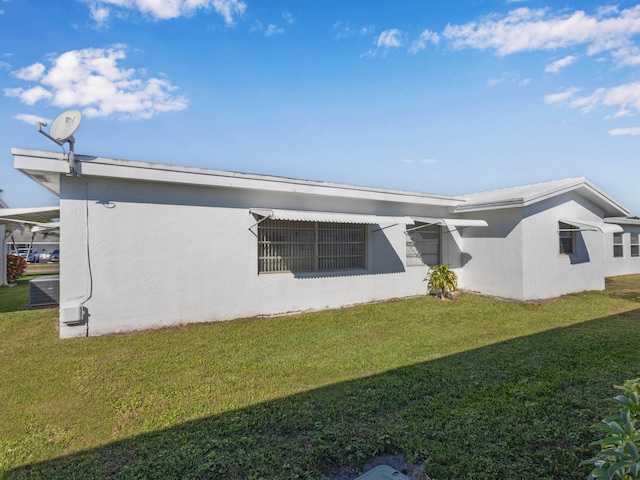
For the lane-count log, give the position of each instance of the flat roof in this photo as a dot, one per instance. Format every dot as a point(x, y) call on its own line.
point(46, 167)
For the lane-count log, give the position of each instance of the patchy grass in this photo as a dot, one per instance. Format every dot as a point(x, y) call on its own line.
point(472, 388)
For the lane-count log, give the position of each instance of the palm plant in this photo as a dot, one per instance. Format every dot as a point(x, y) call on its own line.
point(442, 281)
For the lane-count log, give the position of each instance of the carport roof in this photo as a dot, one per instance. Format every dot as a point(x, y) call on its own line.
point(29, 214)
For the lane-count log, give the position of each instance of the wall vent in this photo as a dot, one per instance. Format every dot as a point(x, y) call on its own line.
point(44, 291)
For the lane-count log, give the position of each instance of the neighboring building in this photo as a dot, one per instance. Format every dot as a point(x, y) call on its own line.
point(624, 247)
point(42, 244)
point(148, 245)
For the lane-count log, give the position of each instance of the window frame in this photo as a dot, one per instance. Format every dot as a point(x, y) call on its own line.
point(567, 232)
point(292, 246)
point(618, 245)
point(635, 244)
point(417, 249)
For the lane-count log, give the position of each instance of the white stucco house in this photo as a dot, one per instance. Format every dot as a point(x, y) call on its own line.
point(147, 245)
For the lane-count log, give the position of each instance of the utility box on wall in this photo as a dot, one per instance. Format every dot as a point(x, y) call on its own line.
point(44, 291)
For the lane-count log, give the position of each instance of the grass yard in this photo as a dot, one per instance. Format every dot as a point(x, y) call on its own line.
point(472, 388)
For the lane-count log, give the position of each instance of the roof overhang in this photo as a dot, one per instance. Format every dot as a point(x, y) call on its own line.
point(47, 168)
point(452, 222)
point(623, 221)
point(309, 216)
point(536, 193)
point(590, 226)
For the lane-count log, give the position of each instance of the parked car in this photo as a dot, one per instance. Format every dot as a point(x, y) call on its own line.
point(44, 256)
point(30, 256)
point(55, 256)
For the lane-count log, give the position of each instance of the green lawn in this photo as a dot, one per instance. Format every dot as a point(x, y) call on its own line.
point(471, 388)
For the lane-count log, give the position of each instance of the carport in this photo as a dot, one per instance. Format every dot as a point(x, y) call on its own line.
point(34, 219)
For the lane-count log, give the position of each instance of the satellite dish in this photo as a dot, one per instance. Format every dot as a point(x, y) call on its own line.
point(65, 125)
point(62, 130)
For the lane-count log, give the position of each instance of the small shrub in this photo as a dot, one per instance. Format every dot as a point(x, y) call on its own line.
point(618, 458)
point(16, 266)
point(442, 281)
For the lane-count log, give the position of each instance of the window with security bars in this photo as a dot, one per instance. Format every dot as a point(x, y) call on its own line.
point(635, 245)
point(567, 234)
point(423, 245)
point(617, 245)
point(293, 246)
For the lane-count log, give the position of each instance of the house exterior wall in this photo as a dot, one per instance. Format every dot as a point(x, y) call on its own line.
point(547, 272)
point(518, 256)
point(491, 261)
point(625, 265)
point(141, 255)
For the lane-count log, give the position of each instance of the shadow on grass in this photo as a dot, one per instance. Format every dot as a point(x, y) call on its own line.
point(517, 409)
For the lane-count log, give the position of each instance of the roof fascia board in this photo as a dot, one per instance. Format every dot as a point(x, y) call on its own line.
point(623, 221)
point(478, 207)
point(130, 170)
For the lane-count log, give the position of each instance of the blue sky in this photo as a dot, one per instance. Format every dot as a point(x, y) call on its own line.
point(438, 97)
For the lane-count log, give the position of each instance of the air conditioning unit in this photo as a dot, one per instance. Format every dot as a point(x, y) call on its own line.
point(44, 291)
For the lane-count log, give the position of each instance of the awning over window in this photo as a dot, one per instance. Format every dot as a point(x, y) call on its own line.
point(590, 226)
point(307, 216)
point(451, 222)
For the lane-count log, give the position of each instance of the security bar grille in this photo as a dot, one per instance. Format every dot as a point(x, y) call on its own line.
point(294, 246)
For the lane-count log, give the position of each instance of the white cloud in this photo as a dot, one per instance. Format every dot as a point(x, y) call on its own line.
point(371, 53)
point(509, 77)
point(31, 119)
point(556, 66)
point(31, 73)
point(421, 43)
point(29, 96)
point(345, 29)
point(287, 17)
point(625, 131)
point(273, 30)
point(562, 96)
point(389, 39)
point(5, 65)
point(227, 8)
point(627, 56)
point(625, 98)
point(91, 80)
point(524, 29)
point(99, 14)
point(166, 9)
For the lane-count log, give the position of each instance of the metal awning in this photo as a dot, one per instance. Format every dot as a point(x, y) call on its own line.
point(308, 216)
point(590, 226)
point(29, 215)
point(451, 222)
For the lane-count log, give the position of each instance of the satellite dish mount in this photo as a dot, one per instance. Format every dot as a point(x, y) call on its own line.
point(61, 132)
